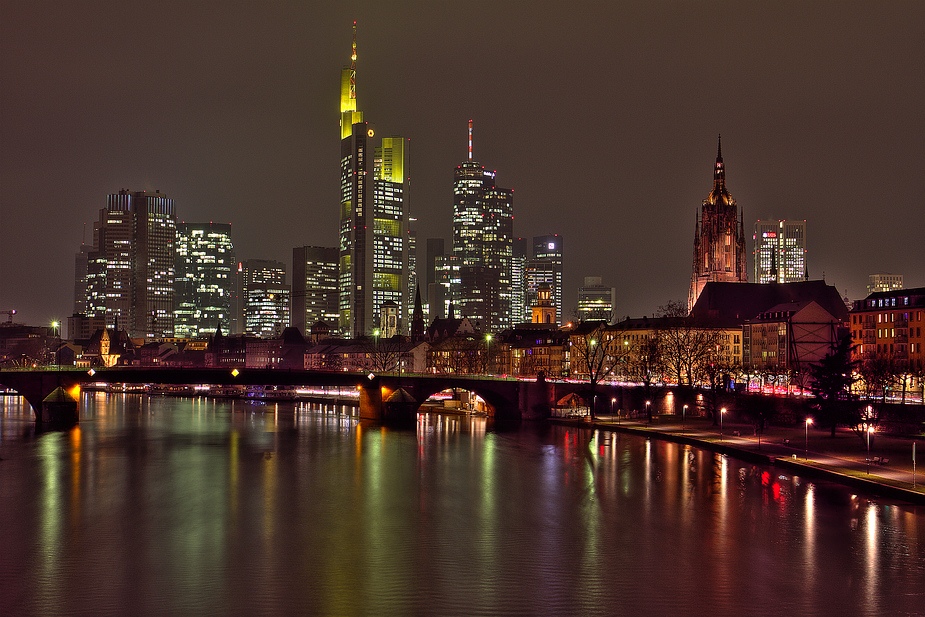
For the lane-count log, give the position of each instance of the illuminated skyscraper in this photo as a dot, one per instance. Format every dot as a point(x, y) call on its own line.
point(546, 267)
point(204, 279)
point(595, 301)
point(373, 215)
point(314, 287)
point(483, 225)
point(130, 269)
point(719, 237)
point(264, 296)
point(780, 252)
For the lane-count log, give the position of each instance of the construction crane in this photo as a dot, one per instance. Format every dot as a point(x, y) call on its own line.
point(9, 314)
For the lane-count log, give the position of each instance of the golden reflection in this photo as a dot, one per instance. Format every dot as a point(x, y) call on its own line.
point(51, 512)
point(76, 452)
point(809, 524)
point(872, 554)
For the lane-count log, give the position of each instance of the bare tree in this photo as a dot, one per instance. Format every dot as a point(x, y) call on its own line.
point(687, 348)
point(596, 350)
point(383, 353)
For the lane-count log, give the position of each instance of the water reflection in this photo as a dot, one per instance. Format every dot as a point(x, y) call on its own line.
point(179, 506)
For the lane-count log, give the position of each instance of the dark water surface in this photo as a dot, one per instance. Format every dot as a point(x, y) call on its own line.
point(164, 506)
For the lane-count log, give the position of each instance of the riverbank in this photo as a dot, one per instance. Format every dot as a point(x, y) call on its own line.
point(886, 469)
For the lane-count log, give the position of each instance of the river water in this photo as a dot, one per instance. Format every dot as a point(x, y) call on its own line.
point(172, 506)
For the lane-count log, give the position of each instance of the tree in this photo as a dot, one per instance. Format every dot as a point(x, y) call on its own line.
point(595, 352)
point(833, 377)
point(687, 347)
point(644, 365)
point(383, 353)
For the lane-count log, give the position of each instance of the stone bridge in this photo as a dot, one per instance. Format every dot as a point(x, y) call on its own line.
point(389, 398)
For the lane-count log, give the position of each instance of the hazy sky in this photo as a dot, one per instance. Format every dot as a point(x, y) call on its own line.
point(601, 116)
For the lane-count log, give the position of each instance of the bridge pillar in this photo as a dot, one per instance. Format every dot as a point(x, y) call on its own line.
point(371, 401)
point(59, 407)
point(536, 399)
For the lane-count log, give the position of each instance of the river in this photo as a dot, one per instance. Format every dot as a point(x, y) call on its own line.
point(180, 506)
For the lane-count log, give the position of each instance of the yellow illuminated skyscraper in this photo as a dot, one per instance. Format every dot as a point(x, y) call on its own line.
point(373, 216)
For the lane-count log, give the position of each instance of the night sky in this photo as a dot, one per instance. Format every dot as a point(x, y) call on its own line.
point(601, 116)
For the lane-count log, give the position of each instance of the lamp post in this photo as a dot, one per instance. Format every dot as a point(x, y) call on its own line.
point(488, 347)
point(722, 412)
point(612, 401)
point(806, 442)
point(870, 430)
point(683, 413)
point(56, 332)
point(648, 413)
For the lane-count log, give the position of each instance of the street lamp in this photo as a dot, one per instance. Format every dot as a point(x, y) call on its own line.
point(612, 401)
point(806, 442)
point(870, 430)
point(683, 413)
point(648, 416)
point(722, 412)
point(488, 345)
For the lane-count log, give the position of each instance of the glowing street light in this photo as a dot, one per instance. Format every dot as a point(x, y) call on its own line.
point(648, 416)
point(806, 443)
point(722, 412)
point(683, 413)
point(612, 401)
point(870, 430)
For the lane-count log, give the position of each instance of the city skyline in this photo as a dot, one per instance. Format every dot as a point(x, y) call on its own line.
point(229, 112)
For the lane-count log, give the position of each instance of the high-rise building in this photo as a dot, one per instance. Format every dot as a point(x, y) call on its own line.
point(204, 284)
point(373, 265)
point(520, 307)
point(595, 301)
point(483, 225)
point(546, 267)
point(719, 237)
point(130, 269)
point(81, 282)
point(264, 297)
point(315, 293)
point(883, 282)
point(780, 251)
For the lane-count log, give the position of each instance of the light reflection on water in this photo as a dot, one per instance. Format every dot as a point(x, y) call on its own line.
point(179, 506)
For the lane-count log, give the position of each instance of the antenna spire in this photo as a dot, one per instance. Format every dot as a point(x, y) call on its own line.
point(470, 139)
point(353, 64)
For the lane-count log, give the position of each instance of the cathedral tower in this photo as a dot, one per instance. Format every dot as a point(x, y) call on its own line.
point(719, 237)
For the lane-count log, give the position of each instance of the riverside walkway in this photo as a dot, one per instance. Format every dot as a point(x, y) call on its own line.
point(886, 471)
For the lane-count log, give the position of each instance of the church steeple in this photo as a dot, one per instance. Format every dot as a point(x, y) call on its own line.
point(719, 174)
point(719, 236)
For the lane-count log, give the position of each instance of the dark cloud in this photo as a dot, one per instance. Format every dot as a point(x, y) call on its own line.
point(602, 116)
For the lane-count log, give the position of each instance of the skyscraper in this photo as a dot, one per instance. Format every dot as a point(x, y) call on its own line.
point(373, 215)
point(130, 269)
point(314, 287)
point(719, 237)
point(546, 267)
point(595, 301)
point(520, 307)
point(264, 296)
point(483, 225)
point(205, 270)
point(780, 251)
